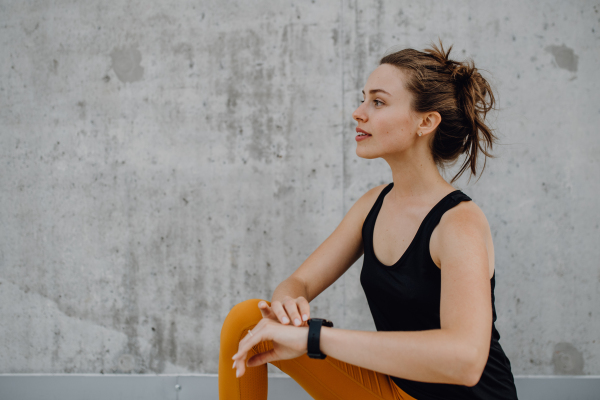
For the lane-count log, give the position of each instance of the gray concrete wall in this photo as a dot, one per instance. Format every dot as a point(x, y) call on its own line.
point(163, 161)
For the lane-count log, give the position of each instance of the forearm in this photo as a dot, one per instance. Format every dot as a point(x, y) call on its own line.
point(428, 356)
point(290, 287)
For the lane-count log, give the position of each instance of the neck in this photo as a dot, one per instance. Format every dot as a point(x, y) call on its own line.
point(416, 176)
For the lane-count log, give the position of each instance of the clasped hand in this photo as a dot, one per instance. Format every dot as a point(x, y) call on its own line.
point(288, 341)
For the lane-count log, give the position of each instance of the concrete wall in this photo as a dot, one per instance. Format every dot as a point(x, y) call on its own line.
point(162, 162)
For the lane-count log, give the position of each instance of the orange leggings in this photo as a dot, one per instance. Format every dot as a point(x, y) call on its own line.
point(328, 379)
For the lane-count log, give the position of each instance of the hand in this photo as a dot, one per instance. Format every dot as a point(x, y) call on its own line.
point(286, 310)
point(288, 342)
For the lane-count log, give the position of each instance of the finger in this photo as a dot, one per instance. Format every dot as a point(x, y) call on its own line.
point(262, 358)
point(251, 339)
point(240, 369)
point(238, 365)
point(304, 308)
point(279, 311)
point(292, 310)
point(266, 311)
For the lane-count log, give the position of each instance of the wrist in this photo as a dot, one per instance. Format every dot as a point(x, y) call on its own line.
point(313, 346)
point(326, 339)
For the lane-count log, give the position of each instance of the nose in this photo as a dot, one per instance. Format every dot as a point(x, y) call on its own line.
point(359, 115)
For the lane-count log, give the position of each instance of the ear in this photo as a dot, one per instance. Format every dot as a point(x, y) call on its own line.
point(429, 122)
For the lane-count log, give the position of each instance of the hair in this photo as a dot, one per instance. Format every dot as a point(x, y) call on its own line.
point(458, 92)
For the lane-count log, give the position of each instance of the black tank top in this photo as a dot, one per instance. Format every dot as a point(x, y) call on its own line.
point(406, 297)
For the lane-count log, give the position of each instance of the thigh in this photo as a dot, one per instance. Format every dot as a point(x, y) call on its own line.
point(331, 379)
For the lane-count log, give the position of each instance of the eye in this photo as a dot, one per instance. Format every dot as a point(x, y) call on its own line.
point(376, 101)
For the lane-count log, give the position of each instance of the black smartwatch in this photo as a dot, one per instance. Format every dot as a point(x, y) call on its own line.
point(314, 337)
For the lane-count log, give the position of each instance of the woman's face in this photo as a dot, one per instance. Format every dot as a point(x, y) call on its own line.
point(385, 115)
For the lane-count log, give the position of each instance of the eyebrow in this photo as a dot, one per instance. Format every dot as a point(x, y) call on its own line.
point(373, 91)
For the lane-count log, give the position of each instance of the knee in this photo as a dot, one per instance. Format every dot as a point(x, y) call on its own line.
point(242, 315)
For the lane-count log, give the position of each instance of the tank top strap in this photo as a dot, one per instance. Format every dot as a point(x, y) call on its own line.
point(369, 223)
point(435, 215)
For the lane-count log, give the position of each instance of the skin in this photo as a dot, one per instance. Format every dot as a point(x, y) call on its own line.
point(461, 246)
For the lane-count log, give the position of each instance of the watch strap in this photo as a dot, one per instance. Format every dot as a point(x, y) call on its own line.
point(314, 337)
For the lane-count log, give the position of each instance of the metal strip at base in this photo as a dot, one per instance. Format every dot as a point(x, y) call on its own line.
point(205, 387)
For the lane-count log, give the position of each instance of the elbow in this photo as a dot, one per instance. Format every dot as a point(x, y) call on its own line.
point(472, 377)
point(473, 366)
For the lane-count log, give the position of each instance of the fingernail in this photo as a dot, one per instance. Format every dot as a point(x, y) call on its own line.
point(305, 317)
point(237, 374)
point(235, 355)
point(285, 320)
point(234, 364)
point(262, 304)
point(297, 321)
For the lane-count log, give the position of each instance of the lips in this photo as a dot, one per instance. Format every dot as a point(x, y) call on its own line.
point(362, 132)
point(362, 135)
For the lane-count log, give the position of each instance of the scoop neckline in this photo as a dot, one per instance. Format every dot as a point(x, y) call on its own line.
point(412, 243)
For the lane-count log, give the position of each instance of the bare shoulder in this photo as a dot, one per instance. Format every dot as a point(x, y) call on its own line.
point(364, 204)
point(371, 195)
point(465, 215)
point(357, 214)
point(466, 227)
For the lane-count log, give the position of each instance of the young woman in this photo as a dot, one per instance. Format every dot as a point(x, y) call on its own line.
point(428, 271)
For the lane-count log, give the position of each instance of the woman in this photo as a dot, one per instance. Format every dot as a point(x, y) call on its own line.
point(428, 271)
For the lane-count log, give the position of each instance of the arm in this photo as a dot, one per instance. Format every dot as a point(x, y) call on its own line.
point(456, 353)
point(324, 266)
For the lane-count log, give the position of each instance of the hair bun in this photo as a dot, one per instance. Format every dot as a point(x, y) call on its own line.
point(462, 73)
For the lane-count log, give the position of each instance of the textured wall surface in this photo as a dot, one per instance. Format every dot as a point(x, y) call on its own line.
point(162, 161)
